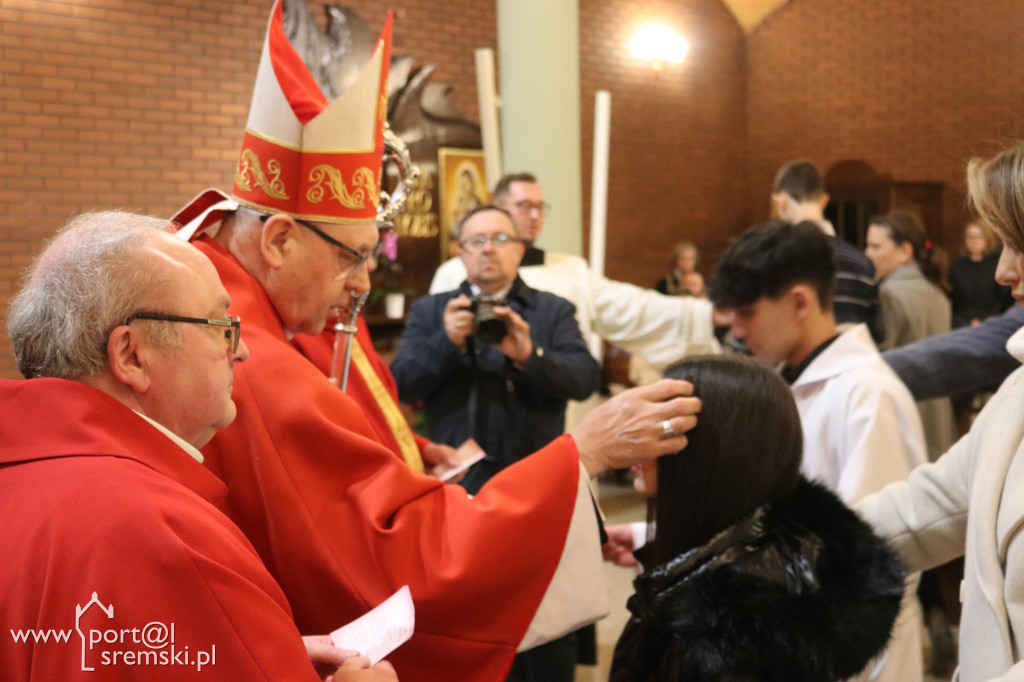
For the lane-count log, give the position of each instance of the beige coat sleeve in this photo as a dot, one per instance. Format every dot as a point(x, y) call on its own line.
point(925, 517)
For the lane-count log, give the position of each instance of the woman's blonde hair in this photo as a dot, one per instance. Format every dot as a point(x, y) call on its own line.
point(995, 188)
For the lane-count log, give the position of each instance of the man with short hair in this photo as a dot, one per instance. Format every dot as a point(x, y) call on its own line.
point(798, 194)
point(508, 394)
point(506, 389)
point(311, 484)
point(658, 328)
point(123, 333)
point(861, 427)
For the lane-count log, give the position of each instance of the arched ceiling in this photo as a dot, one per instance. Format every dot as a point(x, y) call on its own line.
point(749, 13)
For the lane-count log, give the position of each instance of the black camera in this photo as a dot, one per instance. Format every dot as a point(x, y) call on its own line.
point(488, 328)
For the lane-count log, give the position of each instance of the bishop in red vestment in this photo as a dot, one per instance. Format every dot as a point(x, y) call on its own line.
point(342, 523)
point(339, 520)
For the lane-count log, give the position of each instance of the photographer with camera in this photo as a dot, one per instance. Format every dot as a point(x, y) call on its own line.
point(493, 360)
point(496, 361)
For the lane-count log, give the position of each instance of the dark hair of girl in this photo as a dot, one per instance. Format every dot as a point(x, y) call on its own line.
point(906, 227)
point(744, 452)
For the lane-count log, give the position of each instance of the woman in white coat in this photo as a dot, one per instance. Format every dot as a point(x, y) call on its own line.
point(971, 501)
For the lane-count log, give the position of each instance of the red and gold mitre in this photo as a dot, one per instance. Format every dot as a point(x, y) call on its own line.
point(305, 156)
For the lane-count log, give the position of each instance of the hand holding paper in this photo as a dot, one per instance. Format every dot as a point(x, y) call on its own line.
point(467, 454)
point(377, 633)
point(324, 655)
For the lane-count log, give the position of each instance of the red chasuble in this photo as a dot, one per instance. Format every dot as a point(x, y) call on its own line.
point(377, 395)
point(342, 523)
point(114, 550)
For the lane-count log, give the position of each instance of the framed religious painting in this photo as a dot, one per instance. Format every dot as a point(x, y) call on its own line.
point(462, 186)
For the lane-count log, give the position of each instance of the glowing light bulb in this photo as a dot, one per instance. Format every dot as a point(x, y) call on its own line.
point(658, 45)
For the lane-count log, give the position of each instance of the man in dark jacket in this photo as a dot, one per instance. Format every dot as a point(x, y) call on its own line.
point(496, 361)
point(508, 391)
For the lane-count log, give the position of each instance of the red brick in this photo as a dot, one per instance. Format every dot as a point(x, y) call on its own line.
point(28, 6)
point(913, 88)
point(680, 157)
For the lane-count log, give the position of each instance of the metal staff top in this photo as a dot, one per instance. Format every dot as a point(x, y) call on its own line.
point(339, 366)
point(397, 153)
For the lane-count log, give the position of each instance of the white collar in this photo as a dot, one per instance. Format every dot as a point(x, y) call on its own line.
point(852, 349)
point(498, 296)
point(187, 447)
point(1015, 344)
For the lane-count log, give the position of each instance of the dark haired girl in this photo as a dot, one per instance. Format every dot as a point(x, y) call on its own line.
point(754, 573)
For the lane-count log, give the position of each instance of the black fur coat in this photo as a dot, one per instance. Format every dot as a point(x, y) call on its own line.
point(802, 591)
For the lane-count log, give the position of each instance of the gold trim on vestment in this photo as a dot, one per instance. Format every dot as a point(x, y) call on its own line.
point(271, 140)
point(396, 421)
point(314, 217)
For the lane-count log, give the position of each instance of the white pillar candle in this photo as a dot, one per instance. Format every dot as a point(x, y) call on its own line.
point(599, 179)
point(489, 126)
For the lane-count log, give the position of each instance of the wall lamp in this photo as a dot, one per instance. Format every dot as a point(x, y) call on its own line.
point(659, 45)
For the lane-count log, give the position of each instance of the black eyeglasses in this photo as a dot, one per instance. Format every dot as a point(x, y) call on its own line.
point(359, 258)
point(233, 334)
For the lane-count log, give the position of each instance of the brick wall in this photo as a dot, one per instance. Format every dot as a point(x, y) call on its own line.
point(141, 103)
point(113, 103)
point(914, 88)
point(677, 167)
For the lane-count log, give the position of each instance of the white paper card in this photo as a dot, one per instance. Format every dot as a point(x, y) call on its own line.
point(449, 474)
point(468, 454)
point(379, 632)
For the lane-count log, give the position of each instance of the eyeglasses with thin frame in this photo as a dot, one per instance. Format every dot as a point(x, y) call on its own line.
point(499, 240)
point(526, 206)
point(233, 333)
point(358, 258)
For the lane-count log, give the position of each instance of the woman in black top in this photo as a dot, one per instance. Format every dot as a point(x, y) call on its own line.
point(974, 292)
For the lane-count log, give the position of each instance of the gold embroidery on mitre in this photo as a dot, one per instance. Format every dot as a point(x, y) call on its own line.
point(364, 193)
point(249, 166)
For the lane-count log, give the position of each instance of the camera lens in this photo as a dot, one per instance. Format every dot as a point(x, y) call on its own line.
point(488, 329)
